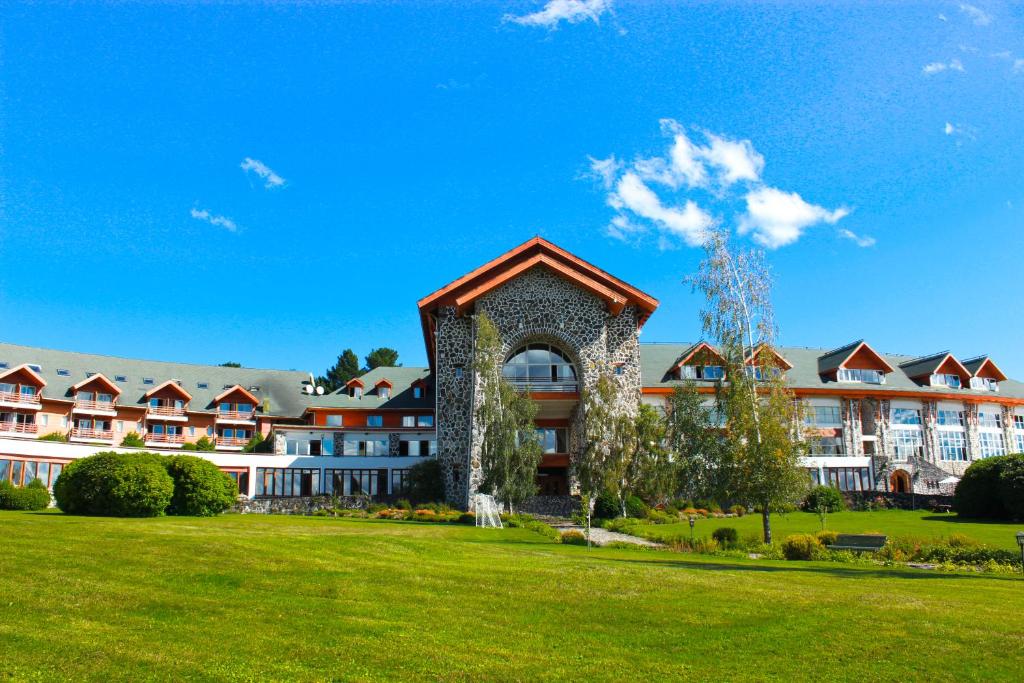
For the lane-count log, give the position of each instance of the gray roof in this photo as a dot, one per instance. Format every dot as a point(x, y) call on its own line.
point(925, 365)
point(657, 361)
point(831, 360)
point(284, 388)
point(401, 379)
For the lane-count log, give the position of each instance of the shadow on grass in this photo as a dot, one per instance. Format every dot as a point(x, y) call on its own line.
point(956, 519)
point(839, 571)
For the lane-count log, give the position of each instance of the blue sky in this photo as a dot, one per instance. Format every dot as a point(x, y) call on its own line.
point(271, 184)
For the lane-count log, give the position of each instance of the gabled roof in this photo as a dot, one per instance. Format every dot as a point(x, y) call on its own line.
point(240, 389)
point(27, 370)
point(355, 382)
point(402, 379)
point(983, 363)
point(780, 362)
point(838, 358)
point(170, 384)
point(926, 366)
point(699, 347)
point(537, 252)
point(383, 382)
point(98, 377)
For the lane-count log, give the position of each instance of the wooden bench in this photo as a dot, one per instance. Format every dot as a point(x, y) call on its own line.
point(859, 543)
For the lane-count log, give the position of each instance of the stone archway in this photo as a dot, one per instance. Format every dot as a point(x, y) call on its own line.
point(899, 481)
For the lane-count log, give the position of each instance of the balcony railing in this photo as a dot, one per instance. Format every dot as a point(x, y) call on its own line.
point(18, 397)
point(236, 414)
point(165, 438)
point(105, 406)
point(231, 442)
point(166, 411)
point(18, 427)
point(97, 434)
point(545, 387)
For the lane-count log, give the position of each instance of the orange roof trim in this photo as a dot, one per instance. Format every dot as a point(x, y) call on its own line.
point(702, 347)
point(237, 388)
point(27, 370)
point(98, 377)
point(992, 371)
point(170, 384)
point(780, 361)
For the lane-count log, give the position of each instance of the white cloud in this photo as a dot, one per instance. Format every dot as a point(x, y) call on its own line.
point(263, 171)
point(859, 240)
point(220, 221)
point(778, 218)
point(737, 159)
point(689, 223)
point(978, 16)
point(557, 11)
point(605, 170)
point(937, 67)
point(942, 17)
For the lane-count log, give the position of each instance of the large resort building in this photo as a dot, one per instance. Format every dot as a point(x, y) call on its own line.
point(877, 421)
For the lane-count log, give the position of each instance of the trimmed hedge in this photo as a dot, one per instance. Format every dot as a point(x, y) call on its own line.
point(115, 484)
point(993, 488)
point(727, 536)
point(31, 497)
point(143, 485)
point(200, 488)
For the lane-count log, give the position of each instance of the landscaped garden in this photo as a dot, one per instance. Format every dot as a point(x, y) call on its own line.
point(269, 597)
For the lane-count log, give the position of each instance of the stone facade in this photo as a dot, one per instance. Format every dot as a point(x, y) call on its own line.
point(537, 306)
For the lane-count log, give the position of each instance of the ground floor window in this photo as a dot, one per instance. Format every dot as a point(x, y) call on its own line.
point(356, 482)
point(553, 439)
point(417, 448)
point(952, 446)
point(310, 446)
point(399, 482)
point(241, 480)
point(849, 478)
point(287, 481)
point(22, 472)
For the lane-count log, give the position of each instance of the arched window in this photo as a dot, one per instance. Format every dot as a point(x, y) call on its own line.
point(542, 366)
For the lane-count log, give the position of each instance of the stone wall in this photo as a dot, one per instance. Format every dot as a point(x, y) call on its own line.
point(903, 501)
point(297, 506)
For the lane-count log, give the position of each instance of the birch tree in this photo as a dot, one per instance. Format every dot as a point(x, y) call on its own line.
point(510, 450)
point(762, 417)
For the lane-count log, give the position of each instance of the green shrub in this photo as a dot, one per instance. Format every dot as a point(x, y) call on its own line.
point(800, 547)
point(253, 444)
point(133, 440)
point(403, 504)
point(189, 446)
point(54, 436)
point(977, 493)
point(468, 518)
point(962, 541)
point(200, 488)
point(606, 506)
point(622, 525)
point(827, 537)
point(827, 498)
point(205, 443)
point(726, 536)
point(528, 522)
point(635, 508)
point(1011, 486)
point(574, 537)
point(738, 510)
point(115, 484)
point(31, 497)
point(426, 481)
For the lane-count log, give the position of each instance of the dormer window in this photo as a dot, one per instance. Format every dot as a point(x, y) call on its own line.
point(858, 375)
point(384, 393)
point(702, 372)
point(355, 387)
point(701, 362)
point(945, 380)
point(984, 384)
point(356, 391)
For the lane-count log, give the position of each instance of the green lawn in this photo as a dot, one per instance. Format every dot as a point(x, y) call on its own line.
point(890, 522)
point(258, 597)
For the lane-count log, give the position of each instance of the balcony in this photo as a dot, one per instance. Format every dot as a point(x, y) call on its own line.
point(95, 408)
point(165, 440)
point(237, 416)
point(83, 434)
point(231, 443)
point(15, 399)
point(542, 386)
point(166, 413)
point(12, 427)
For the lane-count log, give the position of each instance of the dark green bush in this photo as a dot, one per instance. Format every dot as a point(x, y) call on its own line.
point(726, 536)
point(115, 484)
point(606, 506)
point(636, 508)
point(205, 443)
point(32, 497)
point(133, 440)
point(800, 547)
point(426, 482)
point(200, 488)
point(824, 497)
point(977, 493)
point(189, 446)
point(1011, 486)
point(54, 436)
point(253, 444)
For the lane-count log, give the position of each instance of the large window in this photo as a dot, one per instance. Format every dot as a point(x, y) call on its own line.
point(907, 443)
point(287, 481)
point(849, 478)
point(823, 416)
point(952, 445)
point(990, 418)
point(984, 384)
point(553, 440)
point(356, 445)
point(22, 472)
point(826, 445)
point(944, 380)
point(323, 446)
point(906, 416)
point(951, 418)
point(356, 482)
point(399, 482)
point(540, 364)
point(991, 444)
point(418, 447)
point(708, 372)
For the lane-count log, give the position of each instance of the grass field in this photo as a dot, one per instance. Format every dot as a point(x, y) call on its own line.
point(260, 597)
point(921, 524)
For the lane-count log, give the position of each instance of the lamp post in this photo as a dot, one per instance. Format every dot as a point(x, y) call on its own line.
point(1020, 542)
point(692, 520)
